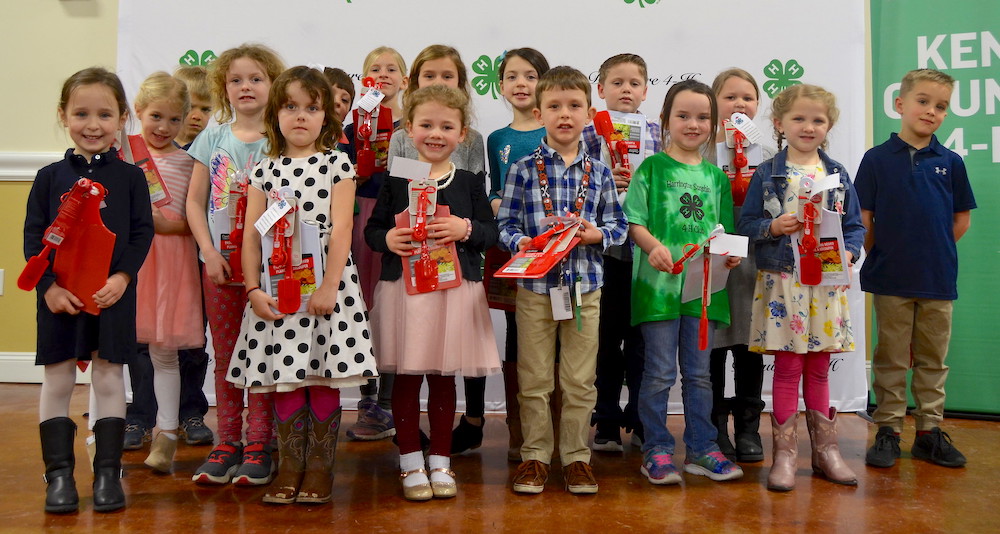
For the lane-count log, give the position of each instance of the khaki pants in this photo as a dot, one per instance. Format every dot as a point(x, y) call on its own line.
point(536, 341)
point(922, 326)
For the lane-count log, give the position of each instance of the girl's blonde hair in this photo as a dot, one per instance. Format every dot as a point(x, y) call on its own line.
point(315, 84)
point(446, 96)
point(432, 52)
point(218, 71)
point(162, 86)
point(783, 103)
point(734, 72)
point(374, 54)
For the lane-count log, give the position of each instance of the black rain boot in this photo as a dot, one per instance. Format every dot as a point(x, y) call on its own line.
point(57, 452)
point(108, 493)
point(746, 417)
point(720, 418)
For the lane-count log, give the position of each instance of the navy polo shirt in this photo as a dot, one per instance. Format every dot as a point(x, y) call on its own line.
point(914, 199)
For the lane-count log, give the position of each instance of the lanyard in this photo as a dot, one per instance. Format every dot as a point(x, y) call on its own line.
point(543, 182)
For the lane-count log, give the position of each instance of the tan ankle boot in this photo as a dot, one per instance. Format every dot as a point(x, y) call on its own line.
point(322, 452)
point(826, 459)
point(785, 454)
point(291, 464)
point(161, 453)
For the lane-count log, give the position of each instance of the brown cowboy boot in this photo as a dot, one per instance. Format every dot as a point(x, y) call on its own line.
point(786, 453)
point(291, 464)
point(826, 459)
point(320, 458)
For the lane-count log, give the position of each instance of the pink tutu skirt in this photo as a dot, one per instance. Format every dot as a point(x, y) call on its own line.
point(447, 332)
point(368, 261)
point(168, 295)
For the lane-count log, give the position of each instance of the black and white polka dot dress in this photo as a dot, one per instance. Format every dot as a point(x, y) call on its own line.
point(304, 349)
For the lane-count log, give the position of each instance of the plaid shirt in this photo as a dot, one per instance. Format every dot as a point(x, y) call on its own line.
point(521, 213)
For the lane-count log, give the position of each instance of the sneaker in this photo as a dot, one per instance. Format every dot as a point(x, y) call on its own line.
point(221, 464)
point(195, 432)
point(373, 424)
point(885, 450)
point(466, 436)
point(936, 447)
point(658, 467)
point(530, 477)
point(713, 465)
point(257, 467)
point(136, 436)
point(608, 438)
point(580, 478)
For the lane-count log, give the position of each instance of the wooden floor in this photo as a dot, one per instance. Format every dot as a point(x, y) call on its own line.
point(913, 497)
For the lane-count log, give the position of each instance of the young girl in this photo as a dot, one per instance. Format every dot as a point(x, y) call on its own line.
point(519, 73)
point(168, 294)
point(801, 325)
point(387, 67)
point(93, 109)
point(304, 356)
point(443, 332)
point(736, 91)
point(675, 198)
point(240, 80)
point(442, 65)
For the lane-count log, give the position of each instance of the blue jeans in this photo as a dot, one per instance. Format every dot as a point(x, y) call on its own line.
point(667, 343)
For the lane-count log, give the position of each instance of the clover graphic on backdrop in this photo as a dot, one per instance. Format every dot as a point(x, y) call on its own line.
point(192, 58)
point(781, 77)
point(488, 80)
point(642, 3)
point(691, 207)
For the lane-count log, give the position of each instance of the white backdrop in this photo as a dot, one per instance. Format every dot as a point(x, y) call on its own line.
point(778, 43)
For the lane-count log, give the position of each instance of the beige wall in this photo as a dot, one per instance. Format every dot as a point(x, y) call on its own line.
point(43, 42)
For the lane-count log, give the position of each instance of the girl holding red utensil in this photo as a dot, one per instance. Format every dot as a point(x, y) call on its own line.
point(677, 197)
point(800, 324)
point(93, 108)
point(303, 356)
point(736, 90)
point(439, 333)
point(168, 314)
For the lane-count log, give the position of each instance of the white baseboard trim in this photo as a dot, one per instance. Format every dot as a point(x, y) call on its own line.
point(22, 166)
point(19, 367)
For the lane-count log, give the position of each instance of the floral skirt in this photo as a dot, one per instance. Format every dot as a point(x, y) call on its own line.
point(788, 316)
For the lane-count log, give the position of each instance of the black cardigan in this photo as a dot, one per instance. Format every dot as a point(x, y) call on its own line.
point(465, 196)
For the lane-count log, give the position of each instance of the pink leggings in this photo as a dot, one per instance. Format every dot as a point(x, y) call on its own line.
point(224, 306)
point(323, 401)
point(440, 411)
point(788, 367)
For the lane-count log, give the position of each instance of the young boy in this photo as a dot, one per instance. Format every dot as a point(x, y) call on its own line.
point(915, 196)
point(621, 82)
point(343, 91)
point(196, 79)
point(581, 185)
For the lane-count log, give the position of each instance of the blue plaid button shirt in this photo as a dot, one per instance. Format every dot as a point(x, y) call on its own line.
point(521, 214)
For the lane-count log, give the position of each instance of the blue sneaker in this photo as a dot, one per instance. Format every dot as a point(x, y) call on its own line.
point(658, 466)
point(713, 465)
point(373, 423)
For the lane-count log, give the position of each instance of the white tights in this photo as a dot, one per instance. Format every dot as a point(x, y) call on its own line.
point(107, 387)
point(166, 387)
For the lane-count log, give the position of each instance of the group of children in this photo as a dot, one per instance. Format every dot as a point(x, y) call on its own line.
point(280, 176)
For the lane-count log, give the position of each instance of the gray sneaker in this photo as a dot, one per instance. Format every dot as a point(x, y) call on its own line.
point(195, 432)
point(136, 436)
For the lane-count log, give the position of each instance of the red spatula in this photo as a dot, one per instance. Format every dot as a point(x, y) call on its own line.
point(811, 267)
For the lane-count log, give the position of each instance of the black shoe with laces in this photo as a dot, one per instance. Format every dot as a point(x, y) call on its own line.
point(885, 450)
point(466, 436)
point(195, 432)
point(608, 438)
point(936, 447)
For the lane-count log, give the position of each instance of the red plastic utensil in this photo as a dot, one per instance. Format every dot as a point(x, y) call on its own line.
point(236, 238)
point(538, 242)
point(811, 267)
point(289, 287)
point(622, 148)
point(606, 129)
point(420, 222)
point(365, 156)
point(740, 184)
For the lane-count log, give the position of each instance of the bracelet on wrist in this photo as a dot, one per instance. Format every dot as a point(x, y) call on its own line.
point(468, 230)
point(252, 289)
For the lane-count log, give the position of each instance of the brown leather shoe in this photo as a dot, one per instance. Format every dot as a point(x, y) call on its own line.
point(531, 476)
point(580, 478)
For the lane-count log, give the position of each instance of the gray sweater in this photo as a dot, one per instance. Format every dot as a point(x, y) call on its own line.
point(470, 155)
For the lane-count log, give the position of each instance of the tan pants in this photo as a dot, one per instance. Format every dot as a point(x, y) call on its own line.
point(922, 326)
point(536, 342)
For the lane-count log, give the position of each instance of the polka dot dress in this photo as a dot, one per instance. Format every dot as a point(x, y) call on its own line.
point(303, 349)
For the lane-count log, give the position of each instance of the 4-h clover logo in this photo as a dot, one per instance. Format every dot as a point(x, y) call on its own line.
point(781, 77)
point(641, 3)
point(691, 207)
point(191, 58)
point(488, 80)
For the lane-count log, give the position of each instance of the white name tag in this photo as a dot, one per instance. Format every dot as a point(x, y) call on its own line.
point(746, 126)
point(562, 303)
point(271, 216)
point(371, 100)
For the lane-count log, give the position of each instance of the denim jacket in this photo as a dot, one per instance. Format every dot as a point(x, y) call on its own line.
point(764, 203)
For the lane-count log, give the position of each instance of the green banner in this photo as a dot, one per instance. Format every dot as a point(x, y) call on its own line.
point(959, 38)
